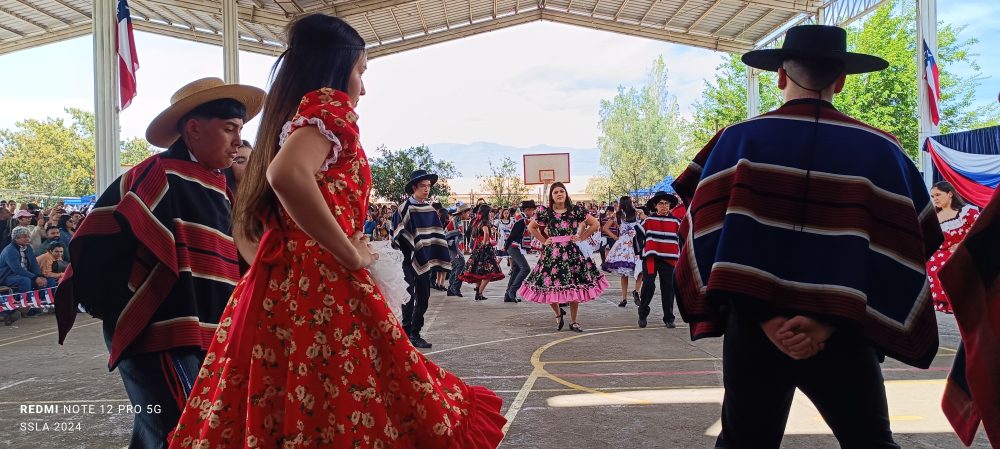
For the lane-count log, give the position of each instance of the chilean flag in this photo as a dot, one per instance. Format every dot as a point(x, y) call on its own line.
point(128, 63)
point(933, 84)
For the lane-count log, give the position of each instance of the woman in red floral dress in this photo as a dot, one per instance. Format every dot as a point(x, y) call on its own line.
point(482, 267)
point(307, 353)
point(956, 218)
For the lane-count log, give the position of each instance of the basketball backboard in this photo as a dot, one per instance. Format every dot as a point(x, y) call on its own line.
point(544, 169)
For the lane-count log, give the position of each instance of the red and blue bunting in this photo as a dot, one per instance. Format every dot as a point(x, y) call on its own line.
point(43, 298)
point(970, 161)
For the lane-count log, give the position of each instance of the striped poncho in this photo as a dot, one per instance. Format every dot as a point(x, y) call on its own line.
point(417, 228)
point(154, 259)
point(830, 220)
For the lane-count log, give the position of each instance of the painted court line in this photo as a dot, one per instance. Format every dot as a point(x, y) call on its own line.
point(28, 334)
point(16, 383)
point(47, 334)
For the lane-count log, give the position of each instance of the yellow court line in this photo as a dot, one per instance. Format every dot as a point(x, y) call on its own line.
point(948, 349)
point(573, 362)
point(50, 333)
point(539, 371)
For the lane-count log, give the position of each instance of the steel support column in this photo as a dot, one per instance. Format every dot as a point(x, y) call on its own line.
point(105, 24)
point(753, 92)
point(230, 42)
point(926, 31)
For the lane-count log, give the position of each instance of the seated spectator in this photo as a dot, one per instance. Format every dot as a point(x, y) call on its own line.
point(370, 227)
point(5, 227)
point(52, 234)
point(51, 262)
point(18, 266)
point(66, 230)
point(23, 218)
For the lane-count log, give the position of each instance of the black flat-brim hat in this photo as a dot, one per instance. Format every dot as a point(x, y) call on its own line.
point(530, 204)
point(661, 195)
point(418, 176)
point(815, 42)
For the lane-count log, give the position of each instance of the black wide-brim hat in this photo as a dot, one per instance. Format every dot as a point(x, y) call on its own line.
point(530, 204)
point(418, 176)
point(661, 195)
point(815, 42)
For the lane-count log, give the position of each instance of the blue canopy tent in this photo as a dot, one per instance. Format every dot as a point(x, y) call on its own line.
point(82, 201)
point(648, 192)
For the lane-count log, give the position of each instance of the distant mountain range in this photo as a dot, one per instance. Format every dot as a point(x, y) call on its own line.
point(471, 159)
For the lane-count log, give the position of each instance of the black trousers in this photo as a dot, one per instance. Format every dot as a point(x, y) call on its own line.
point(419, 288)
point(519, 271)
point(665, 271)
point(843, 381)
point(149, 379)
point(457, 268)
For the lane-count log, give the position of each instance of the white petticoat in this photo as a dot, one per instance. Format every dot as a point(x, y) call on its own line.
point(388, 274)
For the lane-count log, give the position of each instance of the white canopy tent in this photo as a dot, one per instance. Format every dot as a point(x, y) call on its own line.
point(393, 26)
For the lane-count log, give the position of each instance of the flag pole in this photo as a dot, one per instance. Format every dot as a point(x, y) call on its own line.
point(104, 25)
point(926, 32)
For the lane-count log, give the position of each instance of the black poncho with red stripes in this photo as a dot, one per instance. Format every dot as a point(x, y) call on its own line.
point(155, 258)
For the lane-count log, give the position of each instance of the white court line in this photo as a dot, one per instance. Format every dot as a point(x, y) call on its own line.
point(434, 315)
point(14, 337)
point(522, 395)
point(45, 335)
point(16, 383)
point(516, 338)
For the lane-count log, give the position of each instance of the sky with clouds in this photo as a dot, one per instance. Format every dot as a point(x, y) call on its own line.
point(539, 83)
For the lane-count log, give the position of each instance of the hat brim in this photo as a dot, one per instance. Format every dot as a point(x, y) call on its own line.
point(651, 203)
point(854, 63)
point(162, 131)
point(430, 176)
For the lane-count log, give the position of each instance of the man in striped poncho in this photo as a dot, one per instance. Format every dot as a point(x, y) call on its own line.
point(155, 259)
point(418, 233)
point(805, 242)
point(658, 242)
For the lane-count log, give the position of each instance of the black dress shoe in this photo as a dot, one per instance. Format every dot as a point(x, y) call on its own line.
point(454, 293)
point(623, 303)
point(642, 322)
point(635, 297)
point(418, 342)
point(671, 325)
point(509, 299)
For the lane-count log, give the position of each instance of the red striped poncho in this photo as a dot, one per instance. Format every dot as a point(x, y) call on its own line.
point(827, 219)
point(155, 258)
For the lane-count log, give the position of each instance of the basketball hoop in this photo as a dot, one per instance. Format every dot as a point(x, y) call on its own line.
point(547, 176)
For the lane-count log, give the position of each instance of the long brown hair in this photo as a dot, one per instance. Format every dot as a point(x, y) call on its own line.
point(552, 203)
point(957, 202)
point(322, 51)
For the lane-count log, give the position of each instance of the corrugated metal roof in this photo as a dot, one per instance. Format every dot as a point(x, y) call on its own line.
point(392, 26)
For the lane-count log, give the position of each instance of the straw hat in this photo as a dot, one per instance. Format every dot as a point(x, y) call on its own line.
point(162, 131)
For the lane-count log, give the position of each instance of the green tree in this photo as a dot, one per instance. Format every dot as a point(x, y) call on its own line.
point(52, 158)
point(724, 102)
point(503, 185)
point(886, 99)
point(642, 133)
point(391, 172)
point(599, 188)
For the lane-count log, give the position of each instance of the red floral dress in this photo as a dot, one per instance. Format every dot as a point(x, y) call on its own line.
point(954, 230)
point(307, 353)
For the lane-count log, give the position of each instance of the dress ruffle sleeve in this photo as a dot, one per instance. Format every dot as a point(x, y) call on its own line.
point(332, 113)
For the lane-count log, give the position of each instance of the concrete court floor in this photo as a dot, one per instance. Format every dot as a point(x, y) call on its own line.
point(612, 386)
